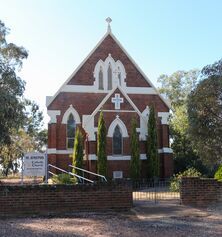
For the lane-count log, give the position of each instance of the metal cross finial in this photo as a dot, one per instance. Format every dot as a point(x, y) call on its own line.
point(108, 20)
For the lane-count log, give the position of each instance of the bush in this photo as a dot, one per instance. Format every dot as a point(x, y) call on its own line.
point(175, 182)
point(218, 174)
point(63, 179)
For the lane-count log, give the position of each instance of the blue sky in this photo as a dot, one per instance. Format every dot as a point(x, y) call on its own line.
point(162, 36)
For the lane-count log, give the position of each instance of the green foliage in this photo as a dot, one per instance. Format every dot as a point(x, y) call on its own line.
point(21, 143)
point(184, 154)
point(78, 152)
point(175, 182)
point(11, 86)
point(11, 54)
point(205, 119)
point(177, 88)
point(135, 153)
point(11, 113)
point(63, 179)
point(218, 174)
point(20, 119)
point(101, 146)
point(212, 70)
point(152, 146)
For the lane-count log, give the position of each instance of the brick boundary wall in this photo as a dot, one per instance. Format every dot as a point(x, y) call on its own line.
point(200, 191)
point(64, 199)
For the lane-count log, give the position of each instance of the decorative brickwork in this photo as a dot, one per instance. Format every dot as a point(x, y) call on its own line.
point(200, 192)
point(61, 199)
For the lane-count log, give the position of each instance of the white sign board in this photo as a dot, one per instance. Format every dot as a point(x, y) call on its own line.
point(34, 164)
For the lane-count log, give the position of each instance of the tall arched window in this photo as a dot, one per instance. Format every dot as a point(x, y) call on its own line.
point(70, 128)
point(109, 76)
point(117, 141)
point(101, 87)
point(119, 76)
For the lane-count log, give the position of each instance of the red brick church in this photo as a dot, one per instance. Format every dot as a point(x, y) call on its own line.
point(108, 80)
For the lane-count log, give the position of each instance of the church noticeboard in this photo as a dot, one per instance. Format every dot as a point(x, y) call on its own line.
point(34, 164)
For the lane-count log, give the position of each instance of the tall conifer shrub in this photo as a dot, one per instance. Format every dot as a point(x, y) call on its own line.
point(78, 152)
point(101, 146)
point(135, 153)
point(152, 145)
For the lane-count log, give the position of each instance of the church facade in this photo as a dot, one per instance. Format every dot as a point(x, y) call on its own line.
point(108, 80)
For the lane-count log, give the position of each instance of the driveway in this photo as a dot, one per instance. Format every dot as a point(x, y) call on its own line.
point(145, 219)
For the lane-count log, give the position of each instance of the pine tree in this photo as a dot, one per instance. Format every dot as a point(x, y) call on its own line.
point(78, 152)
point(152, 146)
point(135, 153)
point(101, 146)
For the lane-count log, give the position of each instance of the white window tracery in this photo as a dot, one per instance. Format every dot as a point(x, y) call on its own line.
point(109, 73)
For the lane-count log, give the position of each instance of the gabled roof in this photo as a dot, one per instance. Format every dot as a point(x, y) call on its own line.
point(50, 99)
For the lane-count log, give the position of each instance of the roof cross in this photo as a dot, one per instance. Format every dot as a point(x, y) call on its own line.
point(108, 20)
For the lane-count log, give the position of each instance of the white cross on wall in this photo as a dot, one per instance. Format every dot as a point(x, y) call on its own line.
point(117, 101)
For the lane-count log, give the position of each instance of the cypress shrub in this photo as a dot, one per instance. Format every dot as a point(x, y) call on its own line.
point(152, 145)
point(101, 146)
point(78, 152)
point(135, 153)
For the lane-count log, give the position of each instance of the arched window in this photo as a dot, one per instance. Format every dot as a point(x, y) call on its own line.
point(117, 141)
point(70, 128)
point(119, 76)
point(109, 76)
point(101, 87)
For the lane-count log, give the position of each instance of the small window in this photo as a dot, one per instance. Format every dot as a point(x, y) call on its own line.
point(109, 74)
point(101, 87)
point(117, 141)
point(71, 127)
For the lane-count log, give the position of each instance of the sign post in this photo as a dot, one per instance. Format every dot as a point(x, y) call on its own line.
point(46, 167)
point(22, 171)
point(34, 164)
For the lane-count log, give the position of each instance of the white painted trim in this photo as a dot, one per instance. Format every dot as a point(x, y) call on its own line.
point(89, 127)
point(48, 100)
point(120, 111)
point(104, 65)
point(164, 117)
point(51, 151)
point(108, 96)
point(72, 111)
point(94, 89)
point(122, 126)
point(53, 115)
point(143, 124)
point(118, 157)
point(92, 51)
point(165, 150)
point(59, 152)
point(94, 157)
point(141, 90)
point(99, 65)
